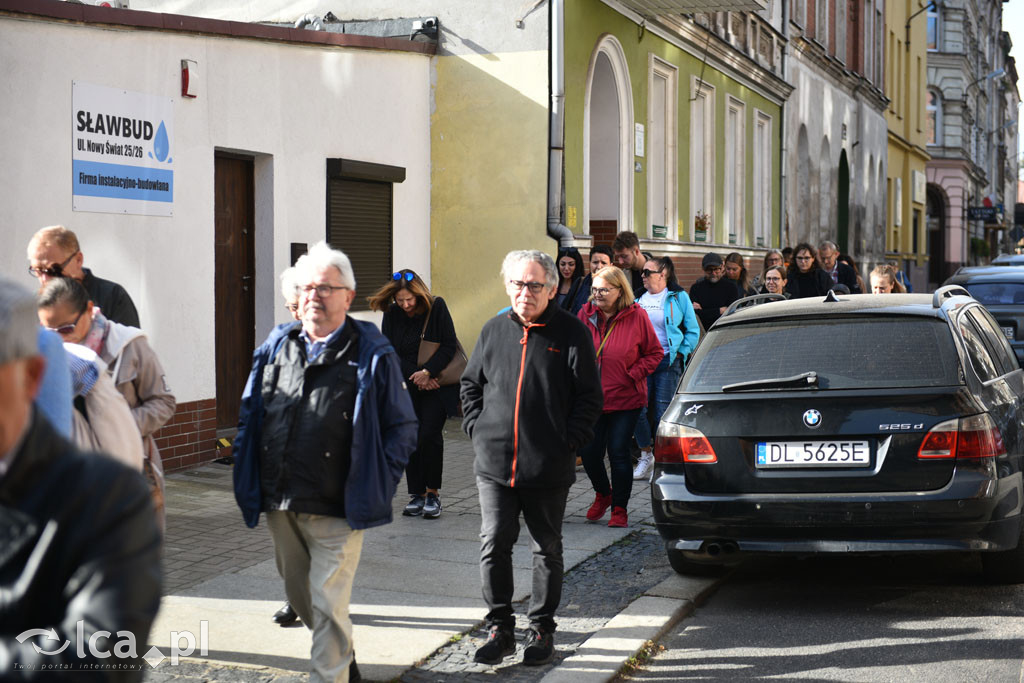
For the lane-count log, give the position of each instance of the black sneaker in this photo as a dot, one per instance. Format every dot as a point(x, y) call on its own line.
point(414, 508)
point(432, 508)
point(540, 647)
point(501, 642)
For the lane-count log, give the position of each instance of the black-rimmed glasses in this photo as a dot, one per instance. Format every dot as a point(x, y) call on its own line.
point(647, 273)
point(534, 287)
point(54, 269)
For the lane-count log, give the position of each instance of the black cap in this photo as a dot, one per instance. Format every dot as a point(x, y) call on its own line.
point(711, 260)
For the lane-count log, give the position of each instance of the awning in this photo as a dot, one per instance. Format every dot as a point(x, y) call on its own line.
point(653, 8)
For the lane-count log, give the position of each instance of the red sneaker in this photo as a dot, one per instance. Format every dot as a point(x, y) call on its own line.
point(619, 517)
point(600, 506)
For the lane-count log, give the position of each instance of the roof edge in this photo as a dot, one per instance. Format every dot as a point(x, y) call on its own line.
point(156, 21)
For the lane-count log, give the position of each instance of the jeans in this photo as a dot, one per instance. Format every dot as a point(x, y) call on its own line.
point(427, 461)
point(542, 510)
point(612, 432)
point(661, 387)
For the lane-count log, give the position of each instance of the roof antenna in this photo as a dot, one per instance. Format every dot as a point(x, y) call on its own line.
point(831, 296)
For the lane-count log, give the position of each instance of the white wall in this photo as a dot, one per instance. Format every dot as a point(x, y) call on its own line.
point(291, 106)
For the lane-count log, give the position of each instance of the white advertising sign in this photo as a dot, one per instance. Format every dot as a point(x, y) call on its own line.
point(121, 159)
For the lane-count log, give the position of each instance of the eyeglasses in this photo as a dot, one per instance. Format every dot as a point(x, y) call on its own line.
point(713, 269)
point(534, 287)
point(292, 307)
point(408, 277)
point(601, 291)
point(54, 269)
point(322, 291)
point(773, 279)
point(648, 273)
point(67, 329)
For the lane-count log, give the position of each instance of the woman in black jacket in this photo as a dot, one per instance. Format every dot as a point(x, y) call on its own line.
point(806, 278)
point(570, 275)
point(412, 315)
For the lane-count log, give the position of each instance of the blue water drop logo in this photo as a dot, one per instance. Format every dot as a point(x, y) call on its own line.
point(161, 145)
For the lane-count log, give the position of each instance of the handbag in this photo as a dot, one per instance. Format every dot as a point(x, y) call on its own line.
point(452, 372)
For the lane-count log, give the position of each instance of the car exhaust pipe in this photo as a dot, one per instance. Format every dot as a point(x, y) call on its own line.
point(730, 547)
point(713, 549)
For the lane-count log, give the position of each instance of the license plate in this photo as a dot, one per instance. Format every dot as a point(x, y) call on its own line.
point(813, 454)
point(1008, 331)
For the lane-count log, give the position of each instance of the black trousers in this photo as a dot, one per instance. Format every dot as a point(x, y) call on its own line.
point(542, 510)
point(427, 462)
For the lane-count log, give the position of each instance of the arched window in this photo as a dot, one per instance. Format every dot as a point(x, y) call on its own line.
point(934, 111)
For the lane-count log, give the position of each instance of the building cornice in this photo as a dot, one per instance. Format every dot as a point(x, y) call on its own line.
point(852, 82)
point(692, 39)
point(67, 12)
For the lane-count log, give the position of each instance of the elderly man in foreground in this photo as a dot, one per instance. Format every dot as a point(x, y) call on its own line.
point(325, 431)
point(79, 544)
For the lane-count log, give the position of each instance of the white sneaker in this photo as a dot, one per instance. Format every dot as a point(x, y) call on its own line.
point(643, 466)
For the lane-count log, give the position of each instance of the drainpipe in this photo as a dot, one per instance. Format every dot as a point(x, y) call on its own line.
point(783, 209)
point(556, 125)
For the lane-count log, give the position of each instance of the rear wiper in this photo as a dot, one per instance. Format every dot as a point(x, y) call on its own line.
point(806, 379)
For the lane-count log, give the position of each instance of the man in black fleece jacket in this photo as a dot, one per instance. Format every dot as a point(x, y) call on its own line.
point(530, 395)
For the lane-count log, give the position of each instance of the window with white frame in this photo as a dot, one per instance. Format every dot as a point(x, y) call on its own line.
point(662, 215)
point(762, 179)
point(933, 113)
point(932, 39)
point(735, 164)
point(702, 153)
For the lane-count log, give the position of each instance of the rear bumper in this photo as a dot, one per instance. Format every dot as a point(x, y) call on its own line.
point(974, 511)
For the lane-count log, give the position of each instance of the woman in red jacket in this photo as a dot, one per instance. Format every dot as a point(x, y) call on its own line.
point(628, 351)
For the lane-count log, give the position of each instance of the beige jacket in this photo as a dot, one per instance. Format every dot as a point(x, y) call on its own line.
point(138, 375)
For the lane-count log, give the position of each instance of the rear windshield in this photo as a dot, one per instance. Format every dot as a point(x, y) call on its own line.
point(997, 292)
point(850, 353)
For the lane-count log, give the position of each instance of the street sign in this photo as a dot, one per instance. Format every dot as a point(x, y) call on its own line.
point(989, 214)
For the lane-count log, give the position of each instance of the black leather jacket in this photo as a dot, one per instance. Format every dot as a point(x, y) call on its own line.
point(78, 543)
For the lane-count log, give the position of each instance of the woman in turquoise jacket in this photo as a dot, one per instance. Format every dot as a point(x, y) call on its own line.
point(675, 323)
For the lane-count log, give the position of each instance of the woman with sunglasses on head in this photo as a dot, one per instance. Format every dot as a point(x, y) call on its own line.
point(65, 308)
point(806, 277)
point(411, 315)
point(628, 351)
point(675, 322)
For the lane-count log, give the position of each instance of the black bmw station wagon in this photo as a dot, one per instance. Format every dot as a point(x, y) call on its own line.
point(855, 424)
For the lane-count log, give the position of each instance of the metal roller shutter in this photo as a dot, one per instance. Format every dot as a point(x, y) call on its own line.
point(359, 223)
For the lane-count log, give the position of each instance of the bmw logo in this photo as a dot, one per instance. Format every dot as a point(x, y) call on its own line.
point(812, 418)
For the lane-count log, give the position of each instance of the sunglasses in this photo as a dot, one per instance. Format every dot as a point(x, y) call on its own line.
point(67, 329)
point(408, 277)
point(53, 270)
point(648, 273)
point(517, 286)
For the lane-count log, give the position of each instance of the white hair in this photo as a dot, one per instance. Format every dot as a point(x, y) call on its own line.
point(19, 322)
point(322, 255)
point(289, 285)
point(514, 258)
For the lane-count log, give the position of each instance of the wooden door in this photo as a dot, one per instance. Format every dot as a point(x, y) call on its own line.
point(234, 260)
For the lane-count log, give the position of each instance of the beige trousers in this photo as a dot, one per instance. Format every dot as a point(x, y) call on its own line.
point(317, 557)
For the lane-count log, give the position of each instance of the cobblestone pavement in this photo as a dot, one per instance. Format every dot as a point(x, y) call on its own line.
point(593, 593)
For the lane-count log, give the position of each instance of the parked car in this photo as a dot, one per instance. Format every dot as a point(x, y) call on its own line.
point(884, 423)
point(1008, 260)
point(1001, 290)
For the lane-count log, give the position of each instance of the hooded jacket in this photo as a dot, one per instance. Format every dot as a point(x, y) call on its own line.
point(531, 395)
point(680, 322)
point(384, 429)
point(630, 353)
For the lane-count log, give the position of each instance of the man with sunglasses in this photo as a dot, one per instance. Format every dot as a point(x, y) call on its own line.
point(712, 294)
point(54, 252)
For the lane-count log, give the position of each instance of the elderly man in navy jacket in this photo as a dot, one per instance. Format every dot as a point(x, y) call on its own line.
point(531, 395)
point(325, 432)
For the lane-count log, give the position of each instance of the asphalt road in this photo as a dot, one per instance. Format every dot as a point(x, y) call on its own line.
point(926, 618)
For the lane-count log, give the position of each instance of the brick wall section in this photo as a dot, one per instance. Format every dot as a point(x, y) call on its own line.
point(604, 232)
point(189, 438)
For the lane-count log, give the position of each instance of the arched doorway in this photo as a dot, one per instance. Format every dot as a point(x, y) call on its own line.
point(843, 208)
point(936, 223)
point(607, 145)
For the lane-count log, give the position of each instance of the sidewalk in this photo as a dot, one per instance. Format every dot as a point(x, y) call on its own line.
point(417, 587)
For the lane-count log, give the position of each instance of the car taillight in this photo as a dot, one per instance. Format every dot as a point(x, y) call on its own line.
point(677, 443)
point(967, 437)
